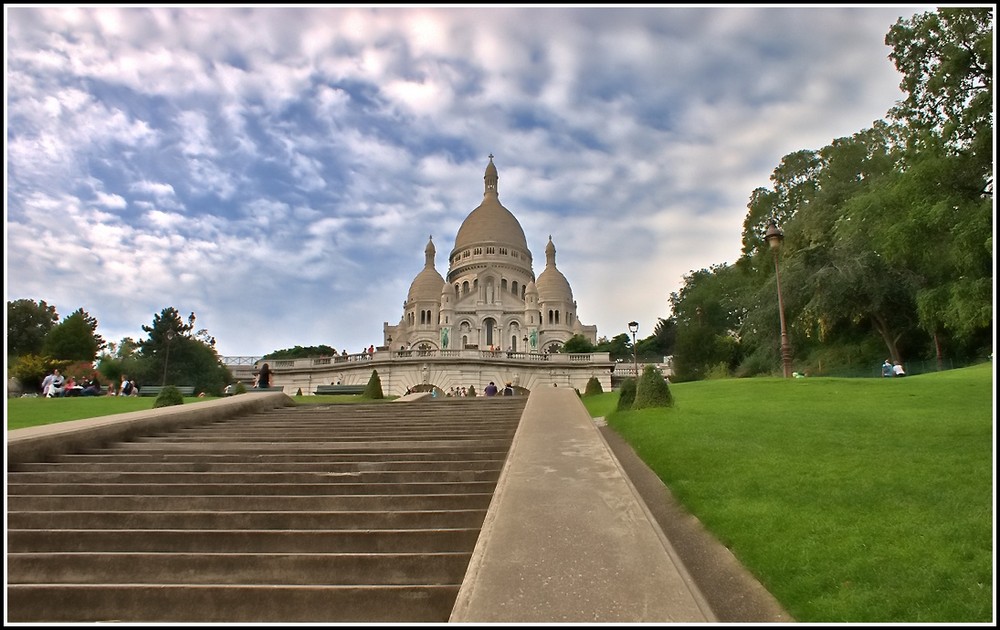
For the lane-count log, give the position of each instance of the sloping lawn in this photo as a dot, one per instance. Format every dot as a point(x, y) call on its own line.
point(851, 500)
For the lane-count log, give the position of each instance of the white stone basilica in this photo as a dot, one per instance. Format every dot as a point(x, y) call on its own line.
point(491, 299)
point(491, 320)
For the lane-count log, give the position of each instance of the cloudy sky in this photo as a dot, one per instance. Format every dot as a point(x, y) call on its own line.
point(278, 171)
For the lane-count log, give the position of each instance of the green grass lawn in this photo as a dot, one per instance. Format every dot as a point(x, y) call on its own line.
point(851, 500)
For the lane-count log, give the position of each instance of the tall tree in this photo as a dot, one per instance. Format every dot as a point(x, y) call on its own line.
point(946, 59)
point(174, 354)
point(28, 322)
point(74, 339)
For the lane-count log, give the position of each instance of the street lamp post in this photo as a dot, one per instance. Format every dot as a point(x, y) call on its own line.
point(166, 359)
point(774, 238)
point(633, 328)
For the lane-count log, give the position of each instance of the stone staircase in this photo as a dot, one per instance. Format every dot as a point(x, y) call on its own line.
point(318, 513)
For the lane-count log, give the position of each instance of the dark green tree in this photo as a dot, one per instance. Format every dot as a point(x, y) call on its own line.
point(626, 394)
point(373, 390)
point(652, 390)
point(618, 347)
point(708, 312)
point(593, 387)
point(28, 322)
point(173, 355)
point(946, 59)
point(74, 339)
point(578, 344)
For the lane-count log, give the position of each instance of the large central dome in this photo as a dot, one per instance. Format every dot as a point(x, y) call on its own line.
point(490, 222)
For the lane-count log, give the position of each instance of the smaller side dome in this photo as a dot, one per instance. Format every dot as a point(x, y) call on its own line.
point(552, 285)
point(428, 284)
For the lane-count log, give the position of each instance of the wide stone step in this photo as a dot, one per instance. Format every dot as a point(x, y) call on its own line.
point(243, 603)
point(250, 476)
point(237, 568)
point(365, 456)
point(280, 489)
point(246, 541)
point(228, 503)
point(107, 520)
point(335, 514)
point(349, 446)
point(200, 465)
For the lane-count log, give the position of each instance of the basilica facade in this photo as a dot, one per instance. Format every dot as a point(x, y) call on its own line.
point(490, 298)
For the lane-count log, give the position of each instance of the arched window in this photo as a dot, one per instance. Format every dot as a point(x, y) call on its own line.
point(489, 324)
point(465, 288)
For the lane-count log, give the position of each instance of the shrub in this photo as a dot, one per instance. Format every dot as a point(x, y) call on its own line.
point(717, 371)
point(373, 389)
point(626, 395)
point(593, 387)
point(652, 390)
point(298, 392)
point(240, 388)
point(168, 397)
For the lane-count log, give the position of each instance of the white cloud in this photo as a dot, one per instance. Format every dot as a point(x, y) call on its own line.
point(278, 170)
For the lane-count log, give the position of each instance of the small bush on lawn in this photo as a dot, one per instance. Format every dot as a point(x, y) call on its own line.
point(168, 397)
point(626, 395)
point(652, 390)
point(593, 387)
point(240, 388)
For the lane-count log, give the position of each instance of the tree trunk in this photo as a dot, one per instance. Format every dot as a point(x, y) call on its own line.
point(890, 341)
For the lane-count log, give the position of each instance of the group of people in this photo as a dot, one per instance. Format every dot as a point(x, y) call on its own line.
point(490, 390)
point(55, 385)
point(892, 369)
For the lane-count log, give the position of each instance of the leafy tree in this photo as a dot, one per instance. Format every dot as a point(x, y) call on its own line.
point(578, 343)
point(664, 337)
point(373, 390)
point(173, 354)
point(946, 59)
point(28, 322)
point(708, 313)
point(75, 339)
point(652, 390)
point(618, 347)
point(118, 360)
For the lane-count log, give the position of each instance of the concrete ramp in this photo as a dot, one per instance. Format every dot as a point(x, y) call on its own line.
point(567, 538)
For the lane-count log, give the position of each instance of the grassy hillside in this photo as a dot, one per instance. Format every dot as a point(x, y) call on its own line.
point(852, 500)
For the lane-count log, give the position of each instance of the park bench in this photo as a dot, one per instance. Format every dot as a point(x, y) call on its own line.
point(339, 389)
point(154, 390)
